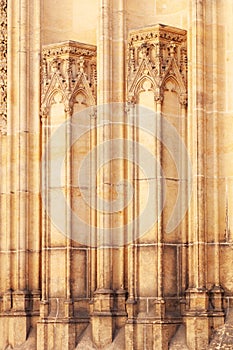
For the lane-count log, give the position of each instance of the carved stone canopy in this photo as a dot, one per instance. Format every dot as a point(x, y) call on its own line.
point(68, 68)
point(157, 53)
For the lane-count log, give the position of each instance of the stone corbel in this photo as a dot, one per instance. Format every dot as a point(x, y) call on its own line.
point(184, 99)
point(172, 49)
point(93, 113)
point(159, 95)
point(69, 109)
point(68, 66)
point(160, 53)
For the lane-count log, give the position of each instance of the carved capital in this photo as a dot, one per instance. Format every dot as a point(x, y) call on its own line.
point(44, 112)
point(69, 67)
point(69, 108)
point(157, 53)
point(184, 99)
point(158, 95)
point(93, 113)
point(172, 49)
point(131, 99)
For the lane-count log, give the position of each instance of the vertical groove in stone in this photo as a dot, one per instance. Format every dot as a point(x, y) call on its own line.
point(93, 214)
point(44, 215)
point(104, 96)
point(68, 199)
point(118, 91)
point(34, 143)
point(215, 141)
point(131, 213)
point(184, 225)
point(159, 206)
point(22, 146)
point(44, 190)
point(197, 232)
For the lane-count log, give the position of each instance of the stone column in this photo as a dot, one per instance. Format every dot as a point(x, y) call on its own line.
point(160, 303)
point(67, 81)
point(216, 294)
point(102, 323)
point(131, 304)
point(155, 58)
point(93, 215)
point(197, 298)
point(183, 251)
point(4, 161)
point(34, 150)
point(21, 129)
point(68, 302)
point(118, 167)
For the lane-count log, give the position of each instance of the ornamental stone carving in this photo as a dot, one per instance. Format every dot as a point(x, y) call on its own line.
point(68, 68)
point(3, 65)
point(157, 53)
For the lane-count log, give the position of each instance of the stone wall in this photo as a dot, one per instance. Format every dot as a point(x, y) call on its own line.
point(116, 278)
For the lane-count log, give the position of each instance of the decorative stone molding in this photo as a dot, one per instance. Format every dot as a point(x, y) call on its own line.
point(3, 66)
point(157, 53)
point(69, 68)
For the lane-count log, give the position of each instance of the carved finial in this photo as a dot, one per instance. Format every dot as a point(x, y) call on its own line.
point(81, 64)
point(172, 49)
point(93, 112)
point(55, 66)
point(44, 112)
point(131, 59)
point(69, 108)
point(44, 71)
point(158, 95)
point(183, 99)
point(143, 51)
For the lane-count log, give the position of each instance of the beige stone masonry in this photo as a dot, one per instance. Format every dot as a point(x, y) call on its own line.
point(159, 290)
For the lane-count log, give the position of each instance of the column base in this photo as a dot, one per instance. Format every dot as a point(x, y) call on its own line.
point(196, 319)
point(57, 327)
point(120, 308)
point(153, 308)
point(7, 301)
point(56, 335)
point(217, 315)
point(102, 318)
point(14, 328)
point(147, 326)
point(197, 299)
point(197, 332)
point(14, 320)
point(56, 308)
point(20, 301)
point(147, 334)
point(35, 301)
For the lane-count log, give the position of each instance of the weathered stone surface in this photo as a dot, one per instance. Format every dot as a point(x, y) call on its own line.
point(179, 340)
point(158, 290)
point(223, 335)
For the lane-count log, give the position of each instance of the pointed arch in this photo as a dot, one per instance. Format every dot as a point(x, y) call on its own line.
point(173, 73)
point(55, 86)
point(144, 70)
point(82, 85)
